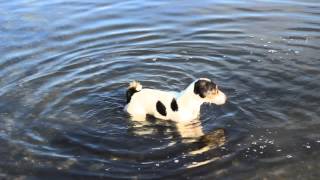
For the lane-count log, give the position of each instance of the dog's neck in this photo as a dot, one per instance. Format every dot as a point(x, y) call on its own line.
point(189, 101)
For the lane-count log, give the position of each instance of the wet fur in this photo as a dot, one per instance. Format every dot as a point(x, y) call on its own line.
point(183, 106)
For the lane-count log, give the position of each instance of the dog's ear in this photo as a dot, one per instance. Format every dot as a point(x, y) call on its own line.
point(202, 87)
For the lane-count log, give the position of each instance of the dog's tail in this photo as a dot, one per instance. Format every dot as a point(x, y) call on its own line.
point(134, 87)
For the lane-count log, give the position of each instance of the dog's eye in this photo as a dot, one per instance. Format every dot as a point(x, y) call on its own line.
point(217, 90)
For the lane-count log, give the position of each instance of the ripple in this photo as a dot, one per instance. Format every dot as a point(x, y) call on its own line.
point(63, 75)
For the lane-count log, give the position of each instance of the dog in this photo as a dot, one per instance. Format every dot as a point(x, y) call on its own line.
point(179, 107)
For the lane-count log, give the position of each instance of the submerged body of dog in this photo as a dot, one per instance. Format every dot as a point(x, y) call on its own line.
point(181, 107)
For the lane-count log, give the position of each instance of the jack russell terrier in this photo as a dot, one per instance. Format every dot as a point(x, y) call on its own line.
point(179, 107)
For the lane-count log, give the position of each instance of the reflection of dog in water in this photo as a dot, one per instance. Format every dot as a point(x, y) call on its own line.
point(191, 133)
point(183, 107)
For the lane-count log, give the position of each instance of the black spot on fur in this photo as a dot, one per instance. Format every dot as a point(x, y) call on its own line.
point(161, 108)
point(174, 105)
point(130, 93)
point(201, 87)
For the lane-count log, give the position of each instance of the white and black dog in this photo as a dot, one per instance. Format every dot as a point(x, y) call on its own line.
point(180, 107)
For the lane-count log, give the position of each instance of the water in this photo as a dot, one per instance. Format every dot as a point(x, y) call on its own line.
point(65, 65)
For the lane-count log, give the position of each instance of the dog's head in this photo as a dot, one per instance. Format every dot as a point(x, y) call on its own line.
point(209, 91)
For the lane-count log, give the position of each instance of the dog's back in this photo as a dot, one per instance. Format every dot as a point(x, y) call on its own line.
point(149, 101)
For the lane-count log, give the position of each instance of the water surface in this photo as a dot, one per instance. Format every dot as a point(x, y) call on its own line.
point(64, 67)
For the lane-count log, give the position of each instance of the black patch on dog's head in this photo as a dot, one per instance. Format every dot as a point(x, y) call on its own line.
point(161, 108)
point(202, 86)
point(174, 105)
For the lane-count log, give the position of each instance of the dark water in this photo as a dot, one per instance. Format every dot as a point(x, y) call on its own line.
point(64, 67)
